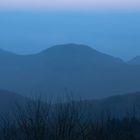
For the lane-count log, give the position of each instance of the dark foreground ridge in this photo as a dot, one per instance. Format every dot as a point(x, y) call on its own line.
point(36, 120)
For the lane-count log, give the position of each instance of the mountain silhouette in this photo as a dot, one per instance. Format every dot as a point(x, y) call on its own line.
point(68, 69)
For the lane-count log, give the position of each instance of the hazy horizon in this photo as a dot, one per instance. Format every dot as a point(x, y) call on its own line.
point(112, 27)
point(116, 33)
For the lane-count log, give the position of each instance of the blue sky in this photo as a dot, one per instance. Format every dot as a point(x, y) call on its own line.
point(115, 33)
point(29, 26)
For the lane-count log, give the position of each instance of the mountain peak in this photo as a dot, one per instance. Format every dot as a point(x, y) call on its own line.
point(80, 52)
point(70, 48)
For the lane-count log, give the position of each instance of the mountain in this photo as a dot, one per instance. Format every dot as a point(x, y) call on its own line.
point(67, 69)
point(135, 61)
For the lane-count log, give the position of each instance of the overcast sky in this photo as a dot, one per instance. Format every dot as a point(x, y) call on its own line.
point(69, 4)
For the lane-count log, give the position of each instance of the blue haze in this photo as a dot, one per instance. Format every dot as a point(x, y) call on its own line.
point(115, 33)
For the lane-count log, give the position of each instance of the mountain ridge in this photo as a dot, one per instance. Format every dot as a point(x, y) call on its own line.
point(57, 47)
point(86, 72)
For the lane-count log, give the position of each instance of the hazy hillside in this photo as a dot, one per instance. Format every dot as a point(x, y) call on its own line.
point(68, 68)
point(135, 61)
point(9, 100)
point(118, 106)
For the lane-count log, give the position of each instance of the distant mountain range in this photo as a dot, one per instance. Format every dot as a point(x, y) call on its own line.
point(68, 69)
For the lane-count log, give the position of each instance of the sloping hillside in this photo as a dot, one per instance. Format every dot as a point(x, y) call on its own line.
point(68, 68)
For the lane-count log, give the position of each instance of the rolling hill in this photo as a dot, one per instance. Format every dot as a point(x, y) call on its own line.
point(67, 69)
